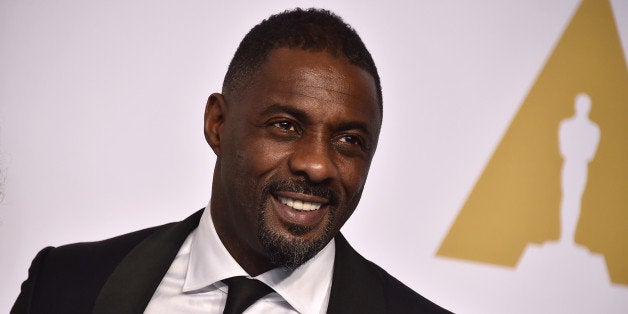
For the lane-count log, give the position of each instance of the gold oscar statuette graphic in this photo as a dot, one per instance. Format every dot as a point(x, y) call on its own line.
point(517, 198)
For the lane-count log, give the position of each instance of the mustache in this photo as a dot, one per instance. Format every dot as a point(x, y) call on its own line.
point(304, 187)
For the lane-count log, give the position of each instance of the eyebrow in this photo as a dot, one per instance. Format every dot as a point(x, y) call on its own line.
point(354, 125)
point(280, 108)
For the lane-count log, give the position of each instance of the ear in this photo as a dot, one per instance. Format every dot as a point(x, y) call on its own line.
point(215, 113)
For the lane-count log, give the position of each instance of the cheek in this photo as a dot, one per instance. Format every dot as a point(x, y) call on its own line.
point(266, 153)
point(255, 157)
point(353, 176)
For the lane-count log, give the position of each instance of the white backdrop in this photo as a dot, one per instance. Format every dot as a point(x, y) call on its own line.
point(101, 107)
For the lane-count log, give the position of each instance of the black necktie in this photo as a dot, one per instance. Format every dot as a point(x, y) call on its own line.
point(242, 293)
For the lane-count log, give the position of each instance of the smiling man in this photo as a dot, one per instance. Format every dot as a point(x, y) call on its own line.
point(294, 131)
point(302, 133)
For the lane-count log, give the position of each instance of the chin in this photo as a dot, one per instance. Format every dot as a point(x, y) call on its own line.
point(292, 245)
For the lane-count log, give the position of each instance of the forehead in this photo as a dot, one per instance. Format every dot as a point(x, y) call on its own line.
point(317, 79)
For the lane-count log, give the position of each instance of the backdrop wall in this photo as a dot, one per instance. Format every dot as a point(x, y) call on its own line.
point(101, 107)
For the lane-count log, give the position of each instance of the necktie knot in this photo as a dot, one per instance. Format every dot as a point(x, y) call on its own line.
point(242, 293)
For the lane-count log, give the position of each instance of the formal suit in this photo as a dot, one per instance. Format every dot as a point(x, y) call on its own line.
point(120, 275)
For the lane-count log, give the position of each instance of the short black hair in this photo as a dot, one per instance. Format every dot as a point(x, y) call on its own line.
point(311, 30)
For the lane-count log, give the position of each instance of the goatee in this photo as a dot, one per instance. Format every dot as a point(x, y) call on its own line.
point(292, 252)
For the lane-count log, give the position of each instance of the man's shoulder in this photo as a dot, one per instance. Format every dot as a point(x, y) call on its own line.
point(68, 278)
point(373, 287)
point(95, 258)
point(401, 298)
point(111, 248)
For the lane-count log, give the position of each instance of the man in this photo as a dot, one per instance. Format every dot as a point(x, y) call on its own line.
point(294, 132)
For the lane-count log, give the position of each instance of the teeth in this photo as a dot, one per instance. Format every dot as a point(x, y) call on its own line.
point(299, 204)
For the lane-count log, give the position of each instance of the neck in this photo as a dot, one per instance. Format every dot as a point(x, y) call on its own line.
point(251, 260)
point(250, 256)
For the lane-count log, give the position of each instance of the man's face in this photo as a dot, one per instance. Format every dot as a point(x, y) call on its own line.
point(294, 153)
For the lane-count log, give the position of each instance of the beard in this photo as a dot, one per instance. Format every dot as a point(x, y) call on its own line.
point(292, 252)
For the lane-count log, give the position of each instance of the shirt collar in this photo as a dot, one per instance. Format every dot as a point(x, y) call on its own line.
point(305, 288)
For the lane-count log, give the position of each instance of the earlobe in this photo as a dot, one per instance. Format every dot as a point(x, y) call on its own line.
point(215, 111)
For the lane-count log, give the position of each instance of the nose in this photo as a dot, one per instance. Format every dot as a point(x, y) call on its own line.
point(313, 158)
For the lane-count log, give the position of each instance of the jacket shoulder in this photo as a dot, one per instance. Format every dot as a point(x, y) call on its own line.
point(68, 278)
point(361, 286)
point(400, 298)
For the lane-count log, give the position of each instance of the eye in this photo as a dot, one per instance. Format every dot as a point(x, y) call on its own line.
point(352, 144)
point(286, 126)
point(350, 139)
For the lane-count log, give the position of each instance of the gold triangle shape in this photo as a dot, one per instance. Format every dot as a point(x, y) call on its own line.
point(516, 200)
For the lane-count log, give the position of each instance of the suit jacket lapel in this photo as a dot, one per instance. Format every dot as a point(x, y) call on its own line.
point(132, 284)
point(355, 287)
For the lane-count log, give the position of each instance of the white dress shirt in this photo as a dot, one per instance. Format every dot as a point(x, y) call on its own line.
point(193, 281)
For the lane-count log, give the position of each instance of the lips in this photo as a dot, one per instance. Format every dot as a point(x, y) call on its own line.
point(300, 205)
point(298, 209)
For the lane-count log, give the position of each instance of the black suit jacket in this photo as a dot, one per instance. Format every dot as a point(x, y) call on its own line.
point(120, 275)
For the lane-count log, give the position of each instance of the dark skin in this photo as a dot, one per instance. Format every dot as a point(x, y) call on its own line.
point(306, 119)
